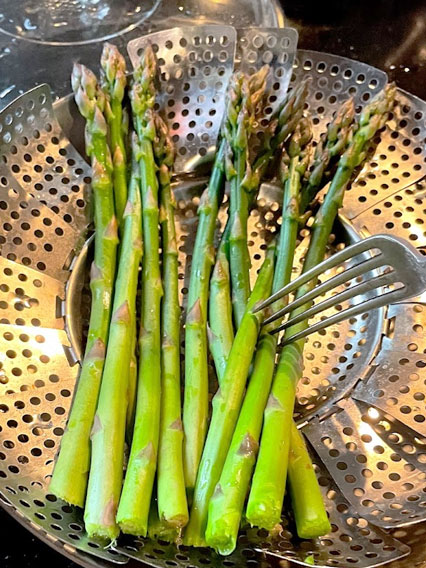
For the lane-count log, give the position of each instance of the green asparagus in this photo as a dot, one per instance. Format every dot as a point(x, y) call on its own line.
point(226, 406)
point(172, 505)
point(195, 409)
point(221, 330)
point(244, 95)
point(114, 84)
point(267, 491)
point(306, 499)
point(69, 481)
point(332, 144)
point(133, 510)
point(108, 433)
point(226, 505)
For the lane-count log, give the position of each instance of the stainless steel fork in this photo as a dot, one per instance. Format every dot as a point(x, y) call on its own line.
point(399, 266)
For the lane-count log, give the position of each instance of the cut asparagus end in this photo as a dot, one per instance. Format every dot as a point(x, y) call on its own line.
point(133, 526)
point(222, 533)
point(107, 532)
point(313, 527)
point(264, 514)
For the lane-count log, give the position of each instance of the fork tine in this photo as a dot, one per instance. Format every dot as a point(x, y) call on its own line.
point(334, 260)
point(373, 303)
point(371, 284)
point(336, 280)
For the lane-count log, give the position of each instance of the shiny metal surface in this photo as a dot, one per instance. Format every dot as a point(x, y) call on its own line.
point(35, 402)
point(385, 488)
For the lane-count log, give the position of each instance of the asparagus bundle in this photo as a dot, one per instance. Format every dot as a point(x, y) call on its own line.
point(195, 408)
point(267, 491)
point(172, 505)
point(226, 505)
point(133, 510)
point(108, 433)
point(69, 481)
point(226, 406)
point(114, 85)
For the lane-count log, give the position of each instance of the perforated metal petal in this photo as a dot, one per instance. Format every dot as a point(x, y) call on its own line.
point(275, 47)
point(36, 153)
point(32, 234)
point(397, 384)
point(384, 487)
point(333, 80)
point(29, 297)
point(398, 160)
point(32, 357)
point(402, 214)
point(195, 65)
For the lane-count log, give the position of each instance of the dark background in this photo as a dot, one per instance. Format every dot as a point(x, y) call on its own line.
point(388, 34)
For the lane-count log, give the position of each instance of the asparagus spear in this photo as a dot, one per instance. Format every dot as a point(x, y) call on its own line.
point(306, 499)
point(172, 505)
point(69, 481)
point(267, 491)
point(108, 433)
point(132, 515)
point(114, 85)
point(221, 330)
point(195, 409)
point(244, 95)
point(226, 505)
point(226, 406)
point(331, 145)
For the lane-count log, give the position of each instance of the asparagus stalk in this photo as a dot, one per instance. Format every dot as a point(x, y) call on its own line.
point(69, 481)
point(331, 145)
point(306, 499)
point(108, 433)
point(221, 330)
point(172, 505)
point(226, 406)
point(133, 369)
point(114, 85)
point(227, 502)
point(267, 491)
point(133, 510)
point(195, 409)
point(244, 95)
point(131, 388)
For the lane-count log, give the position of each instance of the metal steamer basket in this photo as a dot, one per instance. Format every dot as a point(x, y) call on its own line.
point(361, 399)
